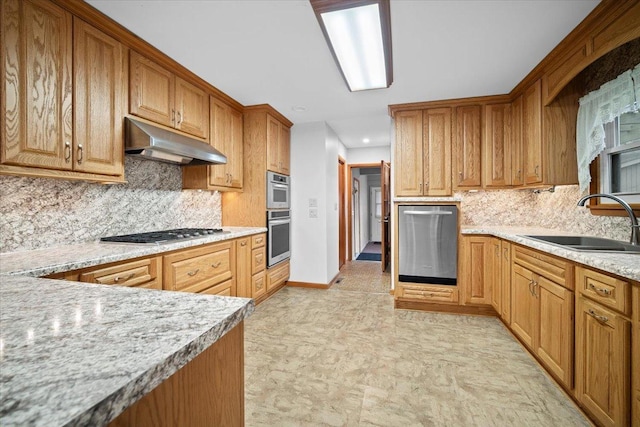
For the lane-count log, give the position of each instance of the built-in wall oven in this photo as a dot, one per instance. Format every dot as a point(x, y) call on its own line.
point(278, 236)
point(277, 191)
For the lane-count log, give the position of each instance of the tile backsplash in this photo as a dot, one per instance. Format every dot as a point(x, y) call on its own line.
point(38, 212)
point(557, 210)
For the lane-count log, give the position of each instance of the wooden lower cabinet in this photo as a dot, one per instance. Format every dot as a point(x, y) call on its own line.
point(505, 314)
point(429, 293)
point(495, 266)
point(208, 391)
point(476, 269)
point(542, 316)
point(224, 289)
point(602, 362)
point(258, 285)
point(194, 270)
point(277, 275)
point(140, 273)
point(635, 369)
point(243, 267)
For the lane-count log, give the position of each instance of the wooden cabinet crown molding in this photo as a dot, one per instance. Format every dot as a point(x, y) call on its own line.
point(266, 108)
point(453, 103)
point(107, 25)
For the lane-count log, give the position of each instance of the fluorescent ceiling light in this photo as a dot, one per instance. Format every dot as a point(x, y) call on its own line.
point(366, 140)
point(359, 36)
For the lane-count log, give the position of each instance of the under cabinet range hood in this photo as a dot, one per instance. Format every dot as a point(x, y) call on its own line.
point(155, 143)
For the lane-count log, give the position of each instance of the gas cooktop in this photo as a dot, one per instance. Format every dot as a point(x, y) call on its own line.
point(165, 236)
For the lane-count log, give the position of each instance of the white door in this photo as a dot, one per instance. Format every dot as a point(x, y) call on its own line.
point(375, 214)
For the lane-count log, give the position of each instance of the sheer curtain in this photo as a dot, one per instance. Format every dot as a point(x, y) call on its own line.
point(601, 106)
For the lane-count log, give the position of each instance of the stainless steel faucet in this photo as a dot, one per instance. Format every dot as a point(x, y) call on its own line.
point(635, 228)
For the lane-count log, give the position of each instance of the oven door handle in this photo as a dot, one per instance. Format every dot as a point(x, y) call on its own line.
point(279, 221)
point(279, 186)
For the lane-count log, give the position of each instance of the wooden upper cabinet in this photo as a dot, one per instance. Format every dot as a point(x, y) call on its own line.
point(517, 152)
point(192, 109)
point(152, 91)
point(467, 147)
point(37, 85)
point(100, 92)
point(408, 156)
point(278, 146)
point(156, 94)
point(226, 137)
point(532, 133)
point(284, 149)
point(497, 146)
point(436, 141)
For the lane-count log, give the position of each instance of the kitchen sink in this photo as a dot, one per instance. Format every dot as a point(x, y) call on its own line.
point(588, 244)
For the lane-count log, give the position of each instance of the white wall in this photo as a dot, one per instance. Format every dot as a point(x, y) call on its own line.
point(308, 177)
point(315, 148)
point(368, 155)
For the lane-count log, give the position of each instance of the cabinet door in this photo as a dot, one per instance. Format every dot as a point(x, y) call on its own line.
point(437, 151)
point(100, 101)
point(192, 109)
point(523, 305)
point(36, 121)
point(235, 151)
point(635, 356)
point(555, 330)
point(476, 267)
point(151, 91)
point(285, 149)
point(496, 275)
point(408, 154)
point(517, 153)
point(243, 267)
point(273, 142)
point(220, 130)
point(467, 147)
point(532, 134)
point(497, 146)
point(506, 282)
point(602, 362)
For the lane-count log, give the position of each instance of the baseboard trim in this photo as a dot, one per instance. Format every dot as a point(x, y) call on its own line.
point(445, 308)
point(308, 285)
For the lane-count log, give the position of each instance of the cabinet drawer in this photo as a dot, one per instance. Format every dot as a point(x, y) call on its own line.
point(555, 269)
point(258, 285)
point(428, 293)
point(144, 273)
point(194, 270)
point(224, 289)
point(258, 241)
point(277, 275)
point(607, 290)
point(258, 260)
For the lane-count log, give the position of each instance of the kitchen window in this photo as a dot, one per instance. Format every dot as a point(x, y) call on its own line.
point(620, 160)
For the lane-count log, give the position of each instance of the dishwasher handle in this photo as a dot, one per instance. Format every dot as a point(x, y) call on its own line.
point(428, 213)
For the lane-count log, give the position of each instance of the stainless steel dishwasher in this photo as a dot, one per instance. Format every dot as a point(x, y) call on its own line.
point(428, 244)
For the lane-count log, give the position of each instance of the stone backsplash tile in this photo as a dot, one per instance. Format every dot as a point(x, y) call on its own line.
point(38, 212)
point(557, 210)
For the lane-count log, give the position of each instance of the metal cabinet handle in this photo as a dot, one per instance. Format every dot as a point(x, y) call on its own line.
point(194, 272)
point(598, 317)
point(179, 118)
point(173, 115)
point(506, 255)
point(80, 153)
point(530, 284)
point(67, 151)
point(536, 170)
point(497, 251)
point(259, 240)
point(118, 279)
point(601, 291)
point(243, 243)
point(217, 264)
point(534, 289)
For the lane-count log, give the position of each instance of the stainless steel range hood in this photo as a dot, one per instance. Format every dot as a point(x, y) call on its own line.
point(154, 143)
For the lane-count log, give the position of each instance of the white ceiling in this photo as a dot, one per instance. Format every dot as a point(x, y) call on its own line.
point(272, 51)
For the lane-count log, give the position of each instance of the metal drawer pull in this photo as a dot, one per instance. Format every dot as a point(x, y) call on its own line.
point(597, 316)
point(530, 284)
point(194, 272)
point(243, 243)
point(259, 240)
point(534, 289)
point(124, 279)
point(80, 156)
point(217, 264)
point(506, 256)
point(602, 291)
point(67, 151)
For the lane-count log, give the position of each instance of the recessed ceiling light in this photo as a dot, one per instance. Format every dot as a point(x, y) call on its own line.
point(366, 140)
point(299, 108)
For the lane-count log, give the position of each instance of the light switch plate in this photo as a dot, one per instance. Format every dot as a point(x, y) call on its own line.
point(313, 203)
point(313, 213)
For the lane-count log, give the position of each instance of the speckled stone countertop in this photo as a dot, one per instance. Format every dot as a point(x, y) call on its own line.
point(57, 259)
point(76, 354)
point(625, 265)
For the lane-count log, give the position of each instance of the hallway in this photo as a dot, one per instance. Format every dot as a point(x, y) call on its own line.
point(342, 357)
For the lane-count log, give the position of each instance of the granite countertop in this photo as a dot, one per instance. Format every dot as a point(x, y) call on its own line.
point(57, 259)
point(79, 354)
point(624, 265)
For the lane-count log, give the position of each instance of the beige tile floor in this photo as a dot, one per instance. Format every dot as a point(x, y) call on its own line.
point(347, 358)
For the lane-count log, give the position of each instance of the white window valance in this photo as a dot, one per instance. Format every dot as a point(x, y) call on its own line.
point(597, 108)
